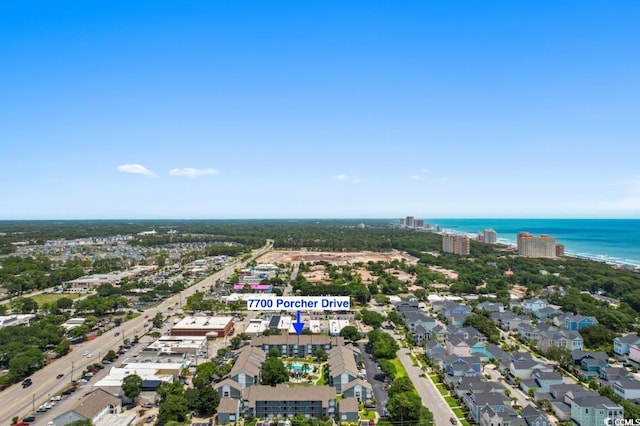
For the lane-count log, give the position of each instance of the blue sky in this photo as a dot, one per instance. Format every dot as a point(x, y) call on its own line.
point(303, 109)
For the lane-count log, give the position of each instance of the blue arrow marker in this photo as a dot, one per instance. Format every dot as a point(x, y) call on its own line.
point(298, 325)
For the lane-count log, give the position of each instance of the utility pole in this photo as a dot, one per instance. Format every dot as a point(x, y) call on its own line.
point(33, 403)
point(71, 377)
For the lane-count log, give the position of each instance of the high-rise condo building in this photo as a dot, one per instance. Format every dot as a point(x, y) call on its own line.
point(559, 250)
point(490, 236)
point(530, 246)
point(456, 244)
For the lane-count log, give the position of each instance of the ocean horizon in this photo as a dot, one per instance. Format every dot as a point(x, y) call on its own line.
point(614, 241)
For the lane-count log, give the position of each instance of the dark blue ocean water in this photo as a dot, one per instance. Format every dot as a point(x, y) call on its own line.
point(611, 240)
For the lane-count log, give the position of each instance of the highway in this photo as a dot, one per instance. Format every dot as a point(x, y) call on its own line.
point(19, 401)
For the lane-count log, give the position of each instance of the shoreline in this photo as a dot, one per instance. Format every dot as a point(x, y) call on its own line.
point(603, 258)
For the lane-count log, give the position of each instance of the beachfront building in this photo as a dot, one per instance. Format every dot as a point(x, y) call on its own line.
point(530, 246)
point(489, 236)
point(456, 244)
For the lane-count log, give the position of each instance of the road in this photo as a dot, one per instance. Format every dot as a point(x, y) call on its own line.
point(19, 401)
point(430, 395)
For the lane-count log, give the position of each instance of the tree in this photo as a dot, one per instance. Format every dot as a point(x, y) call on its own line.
point(381, 299)
point(157, 320)
point(371, 318)
point(320, 355)
point(351, 333)
point(208, 400)
point(131, 386)
point(64, 303)
point(274, 372)
point(167, 389)
point(175, 408)
point(82, 422)
point(404, 407)
point(400, 385)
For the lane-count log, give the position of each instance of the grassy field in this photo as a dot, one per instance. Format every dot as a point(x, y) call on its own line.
point(368, 415)
point(400, 371)
point(41, 299)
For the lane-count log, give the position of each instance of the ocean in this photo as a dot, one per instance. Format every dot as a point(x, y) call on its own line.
point(609, 240)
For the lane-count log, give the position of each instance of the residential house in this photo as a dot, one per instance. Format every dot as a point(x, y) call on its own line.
point(534, 304)
point(610, 374)
point(523, 369)
point(634, 352)
point(627, 388)
point(591, 367)
point(510, 321)
point(458, 319)
point(491, 307)
point(455, 308)
point(547, 313)
point(93, 406)
point(545, 379)
point(437, 333)
point(477, 402)
point(495, 353)
point(457, 346)
point(433, 348)
point(455, 366)
point(621, 344)
point(577, 322)
point(535, 417)
point(593, 410)
point(568, 339)
point(578, 355)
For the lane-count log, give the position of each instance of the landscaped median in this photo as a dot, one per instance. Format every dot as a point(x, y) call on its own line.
point(400, 371)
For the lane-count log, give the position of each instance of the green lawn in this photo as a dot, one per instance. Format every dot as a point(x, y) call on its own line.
point(400, 371)
point(41, 299)
point(443, 391)
point(451, 401)
point(368, 415)
point(458, 412)
point(435, 378)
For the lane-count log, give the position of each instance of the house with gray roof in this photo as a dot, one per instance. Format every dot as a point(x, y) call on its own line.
point(93, 406)
point(593, 410)
point(535, 417)
point(621, 344)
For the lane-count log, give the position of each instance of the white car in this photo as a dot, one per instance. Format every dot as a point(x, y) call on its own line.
point(89, 355)
point(85, 353)
point(56, 398)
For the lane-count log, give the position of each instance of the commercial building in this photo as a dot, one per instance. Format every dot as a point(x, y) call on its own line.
point(204, 326)
point(456, 244)
point(530, 246)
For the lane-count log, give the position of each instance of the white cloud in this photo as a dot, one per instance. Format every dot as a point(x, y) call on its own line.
point(346, 178)
point(136, 169)
point(415, 177)
point(191, 172)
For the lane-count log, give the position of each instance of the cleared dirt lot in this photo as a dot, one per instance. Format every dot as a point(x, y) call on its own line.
point(342, 258)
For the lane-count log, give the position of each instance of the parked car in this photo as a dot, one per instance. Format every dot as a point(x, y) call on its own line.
point(60, 376)
point(453, 420)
